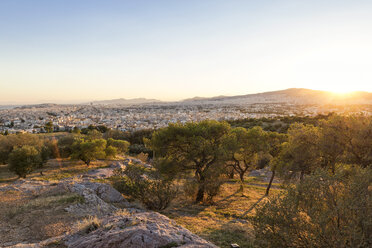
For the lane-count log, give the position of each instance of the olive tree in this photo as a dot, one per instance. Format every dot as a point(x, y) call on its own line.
point(23, 160)
point(301, 154)
point(246, 147)
point(89, 150)
point(325, 210)
point(192, 147)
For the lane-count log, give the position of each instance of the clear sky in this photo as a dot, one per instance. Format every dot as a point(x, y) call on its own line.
point(79, 50)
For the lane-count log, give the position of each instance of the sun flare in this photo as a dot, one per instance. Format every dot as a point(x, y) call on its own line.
point(341, 89)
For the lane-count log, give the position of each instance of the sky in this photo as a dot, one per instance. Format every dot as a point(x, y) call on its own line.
point(71, 51)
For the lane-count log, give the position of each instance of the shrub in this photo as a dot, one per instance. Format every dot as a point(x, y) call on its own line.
point(89, 224)
point(323, 211)
point(145, 185)
point(24, 160)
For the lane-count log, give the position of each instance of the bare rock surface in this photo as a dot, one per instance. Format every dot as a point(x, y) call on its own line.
point(133, 229)
point(92, 205)
point(105, 192)
point(146, 229)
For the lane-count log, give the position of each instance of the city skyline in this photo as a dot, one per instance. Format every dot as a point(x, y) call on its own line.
point(74, 52)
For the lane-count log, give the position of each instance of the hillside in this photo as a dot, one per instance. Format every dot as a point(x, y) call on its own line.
point(293, 96)
point(122, 101)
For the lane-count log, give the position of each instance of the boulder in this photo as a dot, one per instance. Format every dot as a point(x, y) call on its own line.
point(92, 205)
point(146, 230)
point(105, 192)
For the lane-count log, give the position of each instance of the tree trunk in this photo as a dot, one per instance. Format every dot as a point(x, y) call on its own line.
point(302, 176)
point(241, 176)
point(269, 186)
point(231, 174)
point(200, 194)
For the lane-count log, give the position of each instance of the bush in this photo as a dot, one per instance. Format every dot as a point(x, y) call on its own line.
point(24, 160)
point(322, 211)
point(145, 185)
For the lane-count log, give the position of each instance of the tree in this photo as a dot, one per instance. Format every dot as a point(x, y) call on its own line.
point(191, 147)
point(275, 141)
point(76, 130)
point(49, 127)
point(246, 147)
point(333, 140)
point(111, 152)
point(9, 142)
point(325, 210)
point(89, 150)
point(359, 140)
point(301, 153)
point(24, 160)
point(94, 134)
point(121, 145)
point(146, 185)
point(65, 145)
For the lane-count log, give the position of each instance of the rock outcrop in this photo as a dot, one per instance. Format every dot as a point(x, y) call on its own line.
point(131, 228)
point(146, 230)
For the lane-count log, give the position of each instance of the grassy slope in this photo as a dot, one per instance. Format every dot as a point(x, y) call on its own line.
point(219, 223)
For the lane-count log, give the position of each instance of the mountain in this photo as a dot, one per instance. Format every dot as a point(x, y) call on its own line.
point(292, 96)
point(122, 101)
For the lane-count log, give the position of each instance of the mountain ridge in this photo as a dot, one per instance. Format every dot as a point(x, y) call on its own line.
point(290, 95)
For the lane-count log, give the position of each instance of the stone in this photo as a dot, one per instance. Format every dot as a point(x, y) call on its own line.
point(146, 229)
point(93, 205)
point(105, 192)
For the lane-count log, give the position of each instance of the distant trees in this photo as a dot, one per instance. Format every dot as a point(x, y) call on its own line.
point(192, 147)
point(49, 127)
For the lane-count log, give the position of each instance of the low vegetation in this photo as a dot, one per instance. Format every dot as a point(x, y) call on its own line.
point(315, 190)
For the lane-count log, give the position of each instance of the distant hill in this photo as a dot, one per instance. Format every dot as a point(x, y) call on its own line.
point(292, 96)
point(122, 101)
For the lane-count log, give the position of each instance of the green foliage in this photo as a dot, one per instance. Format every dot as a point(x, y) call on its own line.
point(49, 127)
point(247, 148)
point(111, 152)
point(9, 142)
point(93, 134)
point(148, 186)
point(89, 150)
point(325, 210)
point(301, 153)
point(24, 160)
point(76, 130)
point(191, 147)
point(121, 145)
point(65, 145)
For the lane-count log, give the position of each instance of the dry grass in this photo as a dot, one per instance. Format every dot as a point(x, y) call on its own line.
point(55, 169)
point(32, 218)
point(225, 222)
point(88, 225)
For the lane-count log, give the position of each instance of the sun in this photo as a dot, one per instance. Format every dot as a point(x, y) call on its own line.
point(341, 89)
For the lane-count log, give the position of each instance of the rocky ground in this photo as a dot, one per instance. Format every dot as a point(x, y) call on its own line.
point(82, 212)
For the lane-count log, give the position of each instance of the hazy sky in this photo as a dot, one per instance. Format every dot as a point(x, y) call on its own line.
point(78, 50)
